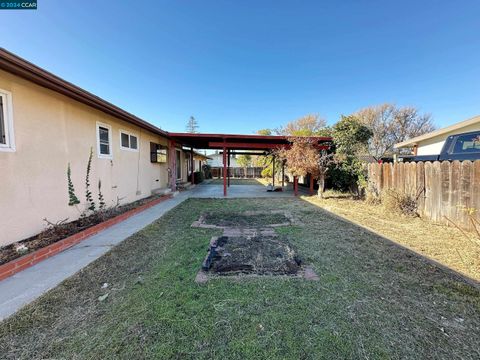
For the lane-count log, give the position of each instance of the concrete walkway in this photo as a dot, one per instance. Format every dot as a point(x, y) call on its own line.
point(29, 284)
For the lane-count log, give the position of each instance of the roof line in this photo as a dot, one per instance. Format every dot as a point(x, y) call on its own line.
point(438, 132)
point(25, 69)
point(242, 136)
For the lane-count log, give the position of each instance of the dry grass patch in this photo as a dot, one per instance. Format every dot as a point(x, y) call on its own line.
point(444, 244)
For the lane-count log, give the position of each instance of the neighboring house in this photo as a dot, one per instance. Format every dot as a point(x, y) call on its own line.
point(432, 143)
point(199, 160)
point(216, 161)
point(47, 123)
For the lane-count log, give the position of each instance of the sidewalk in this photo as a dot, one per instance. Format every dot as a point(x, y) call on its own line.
point(29, 284)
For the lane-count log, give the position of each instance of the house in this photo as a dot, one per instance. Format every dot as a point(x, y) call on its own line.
point(47, 123)
point(432, 143)
point(199, 160)
point(216, 160)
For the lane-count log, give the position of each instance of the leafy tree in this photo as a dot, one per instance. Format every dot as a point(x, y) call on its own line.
point(351, 136)
point(265, 132)
point(192, 125)
point(391, 124)
point(244, 161)
point(351, 139)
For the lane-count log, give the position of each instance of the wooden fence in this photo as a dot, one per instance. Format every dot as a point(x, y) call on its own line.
point(444, 190)
point(237, 172)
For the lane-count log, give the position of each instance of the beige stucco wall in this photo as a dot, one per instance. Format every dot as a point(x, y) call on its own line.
point(434, 145)
point(50, 131)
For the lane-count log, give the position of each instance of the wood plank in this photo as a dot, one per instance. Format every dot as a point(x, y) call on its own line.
point(475, 188)
point(454, 191)
point(436, 192)
point(428, 189)
point(465, 204)
point(420, 181)
point(445, 190)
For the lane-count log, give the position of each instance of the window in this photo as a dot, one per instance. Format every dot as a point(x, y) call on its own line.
point(6, 122)
point(104, 141)
point(128, 141)
point(158, 153)
point(468, 143)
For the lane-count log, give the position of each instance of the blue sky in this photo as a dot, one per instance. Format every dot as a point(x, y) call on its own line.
point(239, 66)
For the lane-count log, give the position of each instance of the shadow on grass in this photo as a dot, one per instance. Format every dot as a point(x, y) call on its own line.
point(234, 181)
point(374, 299)
point(405, 251)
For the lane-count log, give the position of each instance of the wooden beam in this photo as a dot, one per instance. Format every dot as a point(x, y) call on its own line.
point(252, 146)
point(245, 146)
point(248, 153)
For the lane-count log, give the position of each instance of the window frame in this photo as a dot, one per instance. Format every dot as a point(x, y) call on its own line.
point(110, 144)
point(7, 107)
point(129, 141)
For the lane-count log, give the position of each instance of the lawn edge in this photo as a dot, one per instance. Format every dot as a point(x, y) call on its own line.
point(24, 262)
point(460, 276)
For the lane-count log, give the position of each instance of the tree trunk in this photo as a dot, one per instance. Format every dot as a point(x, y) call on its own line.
point(321, 186)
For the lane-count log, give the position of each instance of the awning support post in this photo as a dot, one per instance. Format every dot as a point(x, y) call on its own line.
point(172, 160)
point(228, 169)
point(224, 171)
point(192, 180)
point(273, 172)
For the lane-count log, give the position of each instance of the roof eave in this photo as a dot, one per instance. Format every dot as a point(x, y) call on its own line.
point(16, 65)
point(445, 130)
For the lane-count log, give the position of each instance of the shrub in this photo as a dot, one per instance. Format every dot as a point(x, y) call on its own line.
point(399, 202)
point(197, 177)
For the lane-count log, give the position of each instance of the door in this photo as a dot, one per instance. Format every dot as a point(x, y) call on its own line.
point(179, 164)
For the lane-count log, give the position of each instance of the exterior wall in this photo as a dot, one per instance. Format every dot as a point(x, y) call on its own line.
point(433, 146)
point(50, 131)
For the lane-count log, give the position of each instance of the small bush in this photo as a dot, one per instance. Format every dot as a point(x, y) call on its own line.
point(198, 177)
point(399, 202)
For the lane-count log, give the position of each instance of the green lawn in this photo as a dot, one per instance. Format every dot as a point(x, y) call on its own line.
point(373, 299)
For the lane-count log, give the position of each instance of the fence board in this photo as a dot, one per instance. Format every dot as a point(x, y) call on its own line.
point(443, 190)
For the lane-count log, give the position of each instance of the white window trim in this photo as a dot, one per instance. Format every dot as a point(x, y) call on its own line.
point(8, 119)
point(129, 134)
point(110, 143)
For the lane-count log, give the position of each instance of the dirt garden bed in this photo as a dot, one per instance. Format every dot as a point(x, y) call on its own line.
point(261, 255)
point(63, 229)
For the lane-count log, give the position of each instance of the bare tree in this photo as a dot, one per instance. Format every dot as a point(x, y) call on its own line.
point(192, 125)
point(308, 125)
point(391, 124)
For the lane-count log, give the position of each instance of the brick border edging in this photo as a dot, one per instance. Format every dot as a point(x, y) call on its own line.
point(28, 260)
